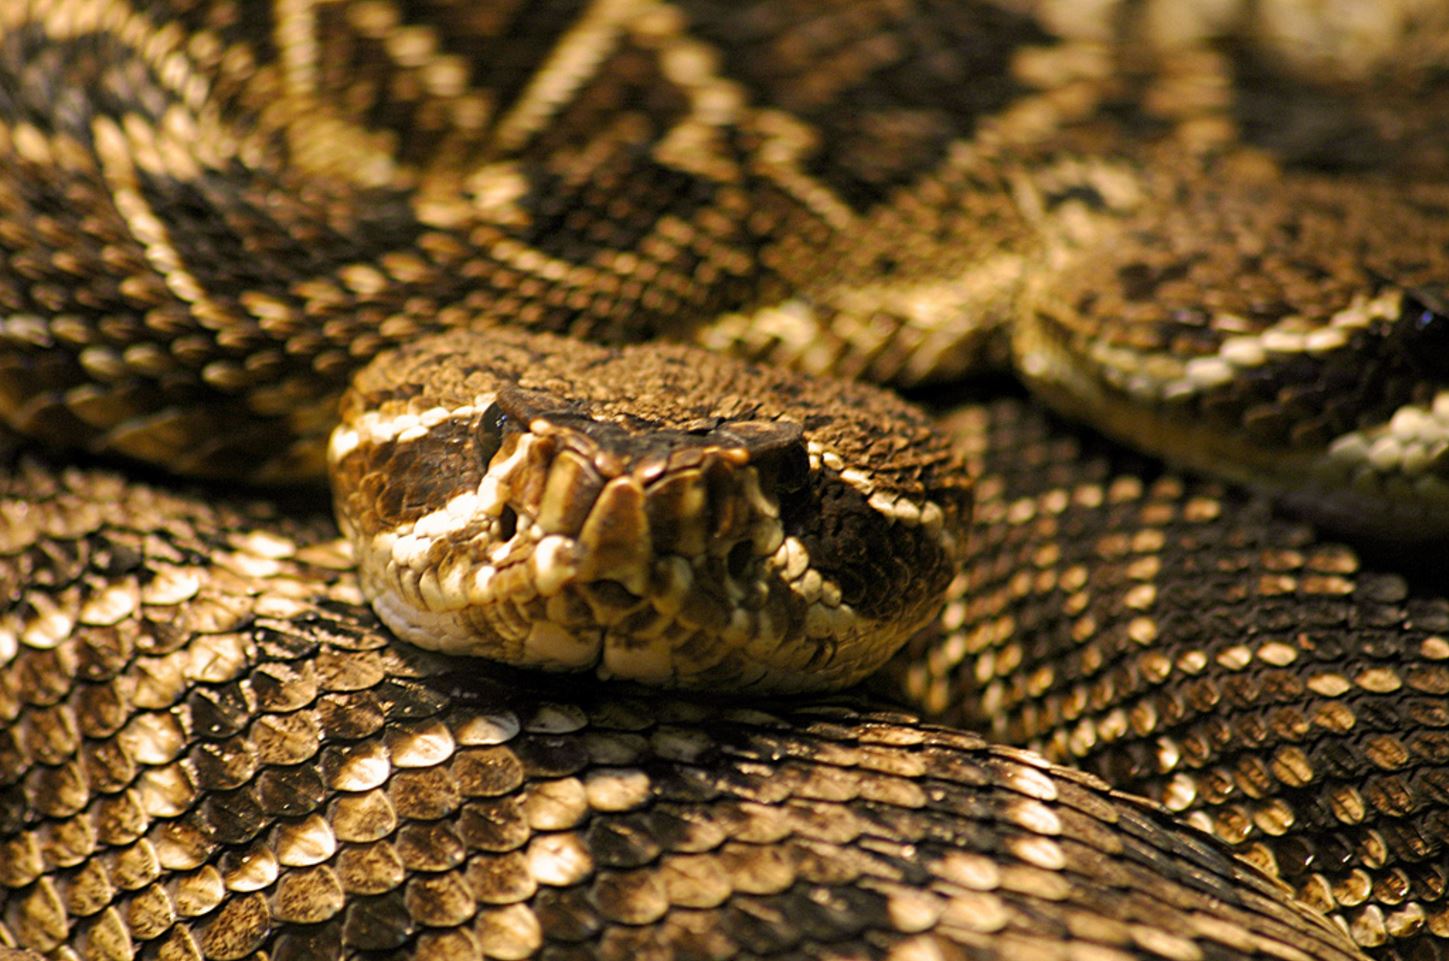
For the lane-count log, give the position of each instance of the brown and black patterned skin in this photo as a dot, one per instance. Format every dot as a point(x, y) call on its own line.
point(276, 192)
point(211, 750)
point(212, 213)
point(1184, 642)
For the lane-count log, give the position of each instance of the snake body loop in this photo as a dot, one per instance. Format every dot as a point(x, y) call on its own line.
point(497, 252)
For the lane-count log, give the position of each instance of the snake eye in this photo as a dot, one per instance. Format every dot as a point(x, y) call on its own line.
point(793, 466)
point(1423, 331)
point(777, 448)
point(490, 433)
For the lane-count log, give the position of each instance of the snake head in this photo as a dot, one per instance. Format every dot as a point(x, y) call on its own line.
point(651, 513)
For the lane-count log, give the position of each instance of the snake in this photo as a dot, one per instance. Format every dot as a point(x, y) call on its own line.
point(502, 249)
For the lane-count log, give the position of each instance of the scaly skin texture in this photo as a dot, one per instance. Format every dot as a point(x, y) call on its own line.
point(210, 748)
point(1188, 220)
point(1182, 641)
point(1216, 228)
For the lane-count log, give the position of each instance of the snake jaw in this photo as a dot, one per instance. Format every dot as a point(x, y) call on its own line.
point(515, 516)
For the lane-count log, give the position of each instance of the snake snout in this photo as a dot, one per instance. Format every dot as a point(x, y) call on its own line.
point(656, 541)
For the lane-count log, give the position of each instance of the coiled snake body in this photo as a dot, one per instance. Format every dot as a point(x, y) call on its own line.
point(1216, 232)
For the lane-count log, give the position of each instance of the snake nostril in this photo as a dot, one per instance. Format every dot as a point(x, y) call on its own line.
point(507, 524)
